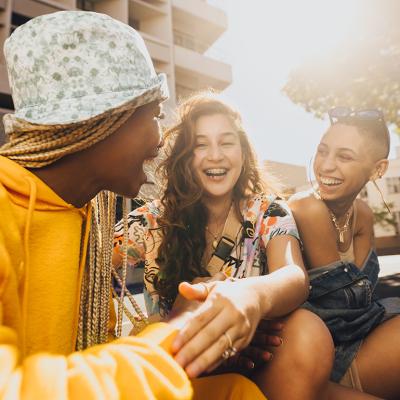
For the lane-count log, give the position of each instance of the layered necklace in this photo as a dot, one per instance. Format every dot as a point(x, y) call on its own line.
point(342, 229)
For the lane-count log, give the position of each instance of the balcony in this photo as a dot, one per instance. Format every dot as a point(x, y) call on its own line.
point(194, 71)
point(200, 20)
point(33, 8)
point(142, 10)
point(158, 49)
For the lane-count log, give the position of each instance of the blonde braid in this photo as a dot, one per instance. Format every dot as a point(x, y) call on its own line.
point(35, 146)
point(139, 321)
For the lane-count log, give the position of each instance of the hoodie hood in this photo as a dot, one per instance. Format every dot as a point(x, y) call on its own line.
point(18, 182)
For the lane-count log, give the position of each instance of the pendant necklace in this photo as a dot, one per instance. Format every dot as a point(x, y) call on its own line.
point(215, 238)
point(345, 227)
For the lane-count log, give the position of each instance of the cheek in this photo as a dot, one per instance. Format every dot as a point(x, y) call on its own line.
point(237, 157)
point(196, 160)
point(315, 164)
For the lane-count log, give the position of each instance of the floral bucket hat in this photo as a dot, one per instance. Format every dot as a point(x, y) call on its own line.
point(71, 66)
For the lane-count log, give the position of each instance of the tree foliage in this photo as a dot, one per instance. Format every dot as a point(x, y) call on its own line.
point(362, 72)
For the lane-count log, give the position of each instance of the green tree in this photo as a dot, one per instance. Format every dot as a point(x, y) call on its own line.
point(383, 218)
point(363, 71)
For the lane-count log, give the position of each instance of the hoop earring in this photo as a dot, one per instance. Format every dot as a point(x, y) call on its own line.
point(313, 187)
point(380, 192)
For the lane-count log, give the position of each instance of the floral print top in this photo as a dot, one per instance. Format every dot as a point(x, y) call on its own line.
point(264, 217)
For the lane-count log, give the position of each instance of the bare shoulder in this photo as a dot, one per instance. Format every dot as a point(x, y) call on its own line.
point(305, 205)
point(365, 216)
point(363, 210)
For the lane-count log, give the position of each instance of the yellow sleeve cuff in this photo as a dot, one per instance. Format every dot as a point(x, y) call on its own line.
point(160, 333)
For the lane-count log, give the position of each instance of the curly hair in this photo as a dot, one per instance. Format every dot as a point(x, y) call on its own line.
point(184, 216)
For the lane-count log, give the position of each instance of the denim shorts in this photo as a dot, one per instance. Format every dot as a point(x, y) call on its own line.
point(342, 295)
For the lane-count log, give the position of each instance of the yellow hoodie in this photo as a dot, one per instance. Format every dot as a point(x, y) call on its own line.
point(41, 264)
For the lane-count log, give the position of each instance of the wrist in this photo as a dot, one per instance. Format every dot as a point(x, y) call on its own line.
point(178, 320)
point(259, 288)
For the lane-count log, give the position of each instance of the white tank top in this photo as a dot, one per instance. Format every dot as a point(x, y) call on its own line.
point(348, 255)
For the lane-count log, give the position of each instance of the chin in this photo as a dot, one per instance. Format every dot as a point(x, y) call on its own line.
point(128, 192)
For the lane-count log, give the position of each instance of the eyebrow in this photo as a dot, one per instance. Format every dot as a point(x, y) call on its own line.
point(223, 134)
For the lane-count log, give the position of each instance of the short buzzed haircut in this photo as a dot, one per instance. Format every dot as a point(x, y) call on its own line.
point(376, 135)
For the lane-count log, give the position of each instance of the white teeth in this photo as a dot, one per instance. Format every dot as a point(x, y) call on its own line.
point(216, 171)
point(330, 181)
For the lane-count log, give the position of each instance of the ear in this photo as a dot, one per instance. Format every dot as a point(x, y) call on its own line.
point(380, 169)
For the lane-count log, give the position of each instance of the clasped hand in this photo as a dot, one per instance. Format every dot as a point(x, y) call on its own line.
point(206, 313)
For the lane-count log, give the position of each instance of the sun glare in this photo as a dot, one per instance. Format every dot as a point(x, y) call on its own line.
point(315, 27)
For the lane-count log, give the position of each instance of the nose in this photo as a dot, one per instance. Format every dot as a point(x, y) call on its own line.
point(214, 153)
point(328, 164)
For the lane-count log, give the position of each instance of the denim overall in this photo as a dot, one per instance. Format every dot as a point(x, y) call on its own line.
point(342, 295)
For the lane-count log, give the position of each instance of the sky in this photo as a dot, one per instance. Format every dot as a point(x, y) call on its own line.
point(265, 40)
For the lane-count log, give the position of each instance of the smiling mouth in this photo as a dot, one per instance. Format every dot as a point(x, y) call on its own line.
point(216, 172)
point(327, 181)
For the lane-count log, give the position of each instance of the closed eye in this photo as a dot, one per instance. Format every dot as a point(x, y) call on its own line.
point(345, 157)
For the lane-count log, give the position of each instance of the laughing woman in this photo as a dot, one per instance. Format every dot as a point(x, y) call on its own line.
point(337, 233)
point(216, 218)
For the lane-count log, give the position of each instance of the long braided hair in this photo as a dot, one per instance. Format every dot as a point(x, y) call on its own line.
point(184, 216)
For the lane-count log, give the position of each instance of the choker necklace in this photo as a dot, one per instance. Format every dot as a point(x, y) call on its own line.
point(345, 227)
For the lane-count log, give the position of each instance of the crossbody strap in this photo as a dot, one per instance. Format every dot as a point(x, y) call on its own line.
point(226, 243)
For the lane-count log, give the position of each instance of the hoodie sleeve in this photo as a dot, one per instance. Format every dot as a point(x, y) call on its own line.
point(138, 367)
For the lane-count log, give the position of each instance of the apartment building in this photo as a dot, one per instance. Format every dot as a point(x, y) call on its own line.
point(177, 33)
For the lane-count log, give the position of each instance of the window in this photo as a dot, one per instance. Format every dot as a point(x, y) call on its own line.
point(393, 184)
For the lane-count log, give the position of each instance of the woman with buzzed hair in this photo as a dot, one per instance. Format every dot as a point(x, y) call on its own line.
point(336, 228)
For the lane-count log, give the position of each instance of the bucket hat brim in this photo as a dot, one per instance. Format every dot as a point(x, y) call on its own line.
point(74, 110)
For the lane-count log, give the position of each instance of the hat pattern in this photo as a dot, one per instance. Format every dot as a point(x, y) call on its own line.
point(70, 66)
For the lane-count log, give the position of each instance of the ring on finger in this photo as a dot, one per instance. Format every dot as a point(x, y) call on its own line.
point(228, 338)
point(205, 286)
point(229, 352)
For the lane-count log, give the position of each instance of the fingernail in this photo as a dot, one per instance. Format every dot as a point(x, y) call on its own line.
point(192, 371)
point(250, 365)
point(175, 345)
point(268, 356)
point(281, 340)
point(180, 360)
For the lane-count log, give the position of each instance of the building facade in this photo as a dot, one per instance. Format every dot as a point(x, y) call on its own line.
point(177, 33)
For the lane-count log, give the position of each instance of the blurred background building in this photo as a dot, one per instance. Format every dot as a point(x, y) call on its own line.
point(177, 33)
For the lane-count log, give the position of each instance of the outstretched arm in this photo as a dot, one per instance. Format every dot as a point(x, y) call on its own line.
point(235, 308)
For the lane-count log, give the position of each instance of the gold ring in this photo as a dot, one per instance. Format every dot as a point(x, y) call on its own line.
point(228, 338)
point(205, 287)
